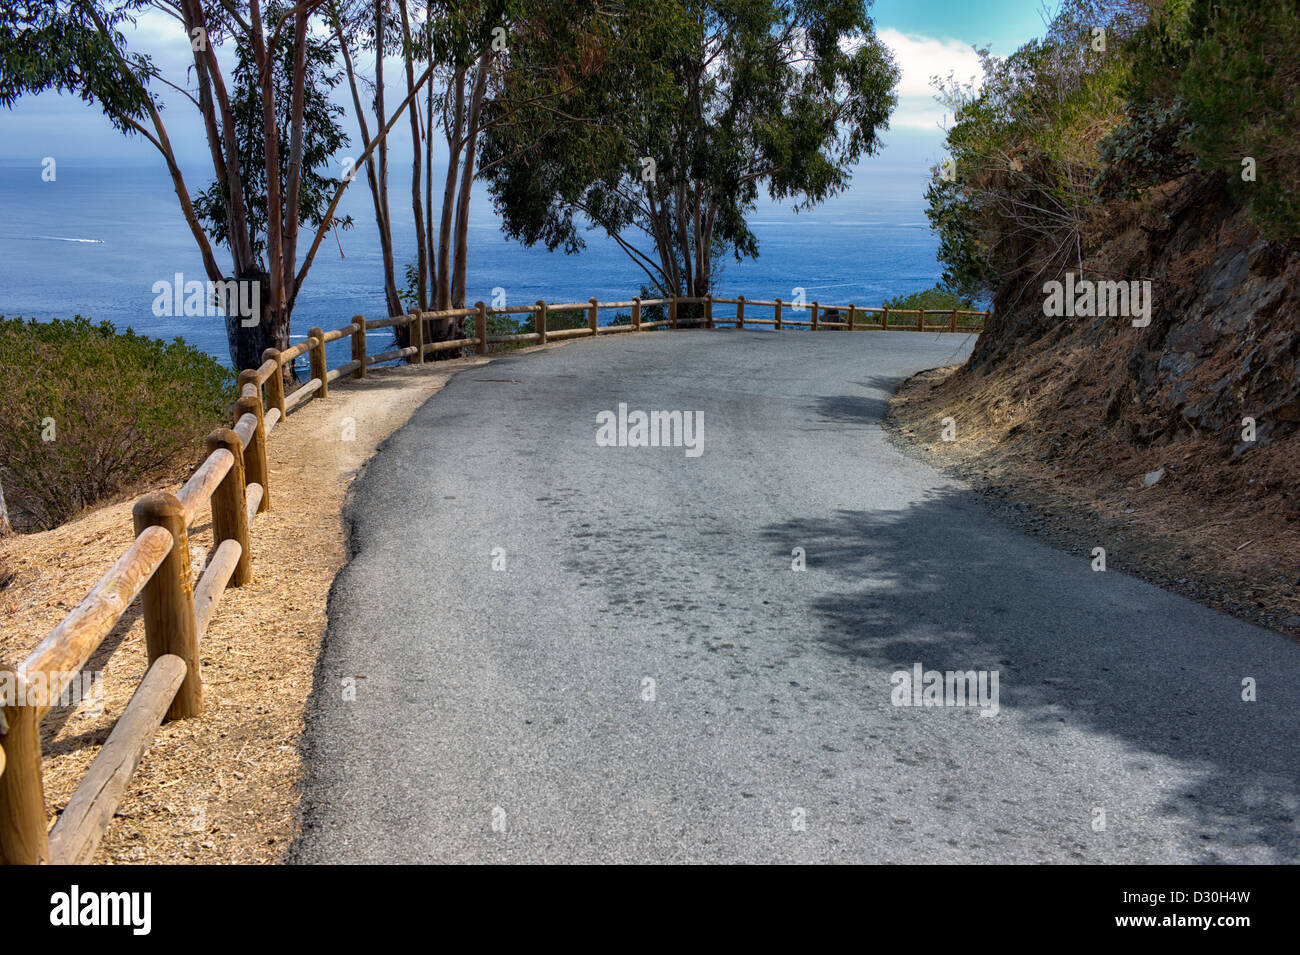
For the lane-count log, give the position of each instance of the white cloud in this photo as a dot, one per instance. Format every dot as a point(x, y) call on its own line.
point(920, 58)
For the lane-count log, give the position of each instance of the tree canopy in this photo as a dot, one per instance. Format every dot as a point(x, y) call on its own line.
point(701, 104)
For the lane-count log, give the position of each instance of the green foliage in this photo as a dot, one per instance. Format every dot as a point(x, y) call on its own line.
point(56, 45)
point(966, 263)
point(1243, 100)
point(1211, 83)
point(322, 136)
point(1143, 151)
point(931, 298)
point(559, 320)
point(1023, 148)
point(87, 411)
point(725, 97)
point(1059, 127)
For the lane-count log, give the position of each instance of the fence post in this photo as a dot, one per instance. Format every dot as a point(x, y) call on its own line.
point(884, 318)
point(814, 316)
point(541, 321)
point(480, 328)
point(920, 319)
point(275, 384)
point(256, 470)
point(708, 311)
point(672, 313)
point(952, 322)
point(777, 326)
point(636, 313)
point(316, 355)
point(853, 314)
point(248, 377)
point(593, 318)
point(740, 311)
point(417, 337)
point(359, 345)
point(230, 505)
point(23, 838)
point(167, 600)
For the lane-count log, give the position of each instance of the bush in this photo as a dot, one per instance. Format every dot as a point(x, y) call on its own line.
point(1144, 151)
point(1020, 195)
point(1213, 82)
point(561, 320)
point(87, 411)
point(1242, 100)
point(555, 321)
point(932, 298)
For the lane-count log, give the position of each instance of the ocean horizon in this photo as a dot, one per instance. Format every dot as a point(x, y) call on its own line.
point(94, 242)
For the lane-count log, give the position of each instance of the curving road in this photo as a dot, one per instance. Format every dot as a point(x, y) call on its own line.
point(648, 679)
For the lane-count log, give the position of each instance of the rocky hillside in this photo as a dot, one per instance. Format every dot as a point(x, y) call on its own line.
point(1145, 426)
point(1223, 346)
point(1223, 343)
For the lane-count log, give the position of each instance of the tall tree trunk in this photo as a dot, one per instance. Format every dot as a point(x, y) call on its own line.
point(394, 307)
point(455, 130)
point(292, 187)
point(428, 200)
point(706, 243)
point(380, 138)
point(683, 239)
point(221, 146)
point(467, 178)
point(276, 316)
point(417, 208)
point(391, 299)
point(245, 341)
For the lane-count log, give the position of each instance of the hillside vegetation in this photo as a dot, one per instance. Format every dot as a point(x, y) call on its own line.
point(87, 412)
point(1168, 157)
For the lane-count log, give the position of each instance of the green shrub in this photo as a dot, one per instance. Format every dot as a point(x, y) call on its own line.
point(561, 320)
point(555, 321)
point(932, 298)
point(87, 411)
point(1211, 83)
point(1243, 101)
point(1144, 151)
point(505, 325)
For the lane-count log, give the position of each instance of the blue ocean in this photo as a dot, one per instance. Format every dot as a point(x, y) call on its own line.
point(95, 240)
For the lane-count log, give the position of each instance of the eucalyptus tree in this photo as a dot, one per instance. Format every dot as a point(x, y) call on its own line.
point(459, 42)
point(472, 47)
point(267, 133)
point(454, 41)
point(703, 103)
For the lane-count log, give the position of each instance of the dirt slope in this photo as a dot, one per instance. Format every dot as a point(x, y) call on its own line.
point(222, 788)
point(1079, 411)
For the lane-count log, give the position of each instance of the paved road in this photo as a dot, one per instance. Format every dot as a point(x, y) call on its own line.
point(506, 715)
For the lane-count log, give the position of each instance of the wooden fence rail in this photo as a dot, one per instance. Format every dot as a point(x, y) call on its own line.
point(234, 483)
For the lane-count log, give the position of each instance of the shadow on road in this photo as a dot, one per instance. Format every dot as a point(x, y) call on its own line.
point(932, 584)
point(851, 409)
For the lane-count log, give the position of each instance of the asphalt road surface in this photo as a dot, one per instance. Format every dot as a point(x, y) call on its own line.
point(644, 676)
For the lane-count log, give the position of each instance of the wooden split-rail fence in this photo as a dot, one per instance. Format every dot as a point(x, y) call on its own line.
point(232, 482)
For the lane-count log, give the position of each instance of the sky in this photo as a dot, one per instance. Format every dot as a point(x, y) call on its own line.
point(928, 38)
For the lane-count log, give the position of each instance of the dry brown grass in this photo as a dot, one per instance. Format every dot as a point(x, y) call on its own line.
point(221, 788)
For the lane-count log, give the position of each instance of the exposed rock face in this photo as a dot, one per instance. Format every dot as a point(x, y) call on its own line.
point(1223, 343)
